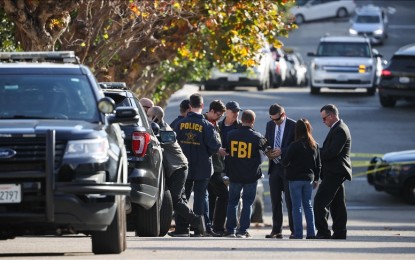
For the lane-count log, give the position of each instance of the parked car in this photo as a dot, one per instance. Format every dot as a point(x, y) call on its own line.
point(150, 208)
point(298, 70)
point(370, 21)
point(310, 10)
point(281, 67)
point(344, 62)
point(261, 76)
point(63, 163)
point(394, 173)
point(397, 80)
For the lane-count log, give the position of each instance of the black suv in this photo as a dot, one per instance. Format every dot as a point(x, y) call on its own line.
point(398, 78)
point(63, 164)
point(150, 207)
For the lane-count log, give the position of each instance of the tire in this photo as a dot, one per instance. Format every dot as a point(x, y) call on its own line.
point(386, 101)
point(314, 90)
point(166, 213)
point(113, 240)
point(371, 91)
point(409, 191)
point(299, 19)
point(147, 222)
point(342, 12)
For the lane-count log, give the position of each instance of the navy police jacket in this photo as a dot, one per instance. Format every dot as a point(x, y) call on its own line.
point(197, 137)
point(244, 148)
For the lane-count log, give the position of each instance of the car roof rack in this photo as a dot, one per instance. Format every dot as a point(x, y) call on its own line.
point(40, 56)
point(113, 85)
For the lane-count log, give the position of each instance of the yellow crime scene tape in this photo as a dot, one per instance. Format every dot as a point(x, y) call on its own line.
point(357, 163)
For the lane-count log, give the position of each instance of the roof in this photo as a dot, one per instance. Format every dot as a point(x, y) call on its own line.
point(369, 10)
point(406, 50)
point(344, 39)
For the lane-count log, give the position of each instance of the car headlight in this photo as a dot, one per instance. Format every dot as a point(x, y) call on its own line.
point(93, 148)
point(352, 31)
point(378, 32)
point(317, 67)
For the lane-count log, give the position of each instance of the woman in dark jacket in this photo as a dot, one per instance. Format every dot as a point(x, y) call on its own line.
point(303, 165)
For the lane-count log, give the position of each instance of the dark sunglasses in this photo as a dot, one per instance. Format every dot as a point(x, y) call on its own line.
point(276, 119)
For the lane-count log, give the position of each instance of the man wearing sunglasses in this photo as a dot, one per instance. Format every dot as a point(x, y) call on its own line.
point(336, 168)
point(280, 131)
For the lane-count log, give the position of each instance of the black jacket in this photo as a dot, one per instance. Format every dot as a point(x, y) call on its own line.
point(302, 162)
point(335, 153)
point(244, 159)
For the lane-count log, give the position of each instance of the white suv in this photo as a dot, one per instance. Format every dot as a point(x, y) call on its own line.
point(344, 62)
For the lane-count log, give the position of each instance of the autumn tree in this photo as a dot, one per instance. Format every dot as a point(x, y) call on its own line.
point(154, 46)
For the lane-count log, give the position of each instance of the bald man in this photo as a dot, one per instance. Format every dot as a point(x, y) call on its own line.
point(146, 103)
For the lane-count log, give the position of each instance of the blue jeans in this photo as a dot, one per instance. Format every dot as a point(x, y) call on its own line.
point(248, 197)
point(300, 192)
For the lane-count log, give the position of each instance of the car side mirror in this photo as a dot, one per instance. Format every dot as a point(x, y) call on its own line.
point(155, 127)
point(167, 137)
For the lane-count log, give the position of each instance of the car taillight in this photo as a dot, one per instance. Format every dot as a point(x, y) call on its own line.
point(139, 143)
point(386, 73)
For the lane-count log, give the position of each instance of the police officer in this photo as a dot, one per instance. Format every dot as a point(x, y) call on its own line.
point(244, 146)
point(198, 140)
point(176, 169)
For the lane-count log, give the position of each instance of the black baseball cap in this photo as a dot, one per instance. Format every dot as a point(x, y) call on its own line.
point(234, 106)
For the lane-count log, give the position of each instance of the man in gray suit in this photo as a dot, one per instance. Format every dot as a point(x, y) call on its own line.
point(279, 132)
point(336, 168)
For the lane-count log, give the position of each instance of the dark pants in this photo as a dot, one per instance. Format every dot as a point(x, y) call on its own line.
point(183, 214)
point(218, 201)
point(200, 199)
point(278, 186)
point(330, 197)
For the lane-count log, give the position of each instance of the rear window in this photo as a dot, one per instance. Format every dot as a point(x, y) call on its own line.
point(402, 63)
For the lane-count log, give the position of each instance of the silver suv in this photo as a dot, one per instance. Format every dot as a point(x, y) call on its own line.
point(371, 21)
point(344, 62)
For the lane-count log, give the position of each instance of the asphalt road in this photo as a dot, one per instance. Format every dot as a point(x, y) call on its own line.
point(380, 226)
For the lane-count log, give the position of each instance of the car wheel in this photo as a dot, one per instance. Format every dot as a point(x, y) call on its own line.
point(166, 213)
point(409, 191)
point(113, 240)
point(371, 91)
point(147, 222)
point(387, 101)
point(342, 12)
point(314, 90)
point(299, 19)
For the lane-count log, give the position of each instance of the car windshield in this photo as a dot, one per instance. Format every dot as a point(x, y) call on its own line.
point(343, 49)
point(47, 97)
point(368, 19)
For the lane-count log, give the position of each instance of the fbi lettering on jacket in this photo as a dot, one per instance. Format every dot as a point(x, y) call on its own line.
point(241, 149)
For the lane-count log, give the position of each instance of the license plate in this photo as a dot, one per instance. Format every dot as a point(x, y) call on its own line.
point(342, 78)
point(233, 78)
point(404, 80)
point(10, 193)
